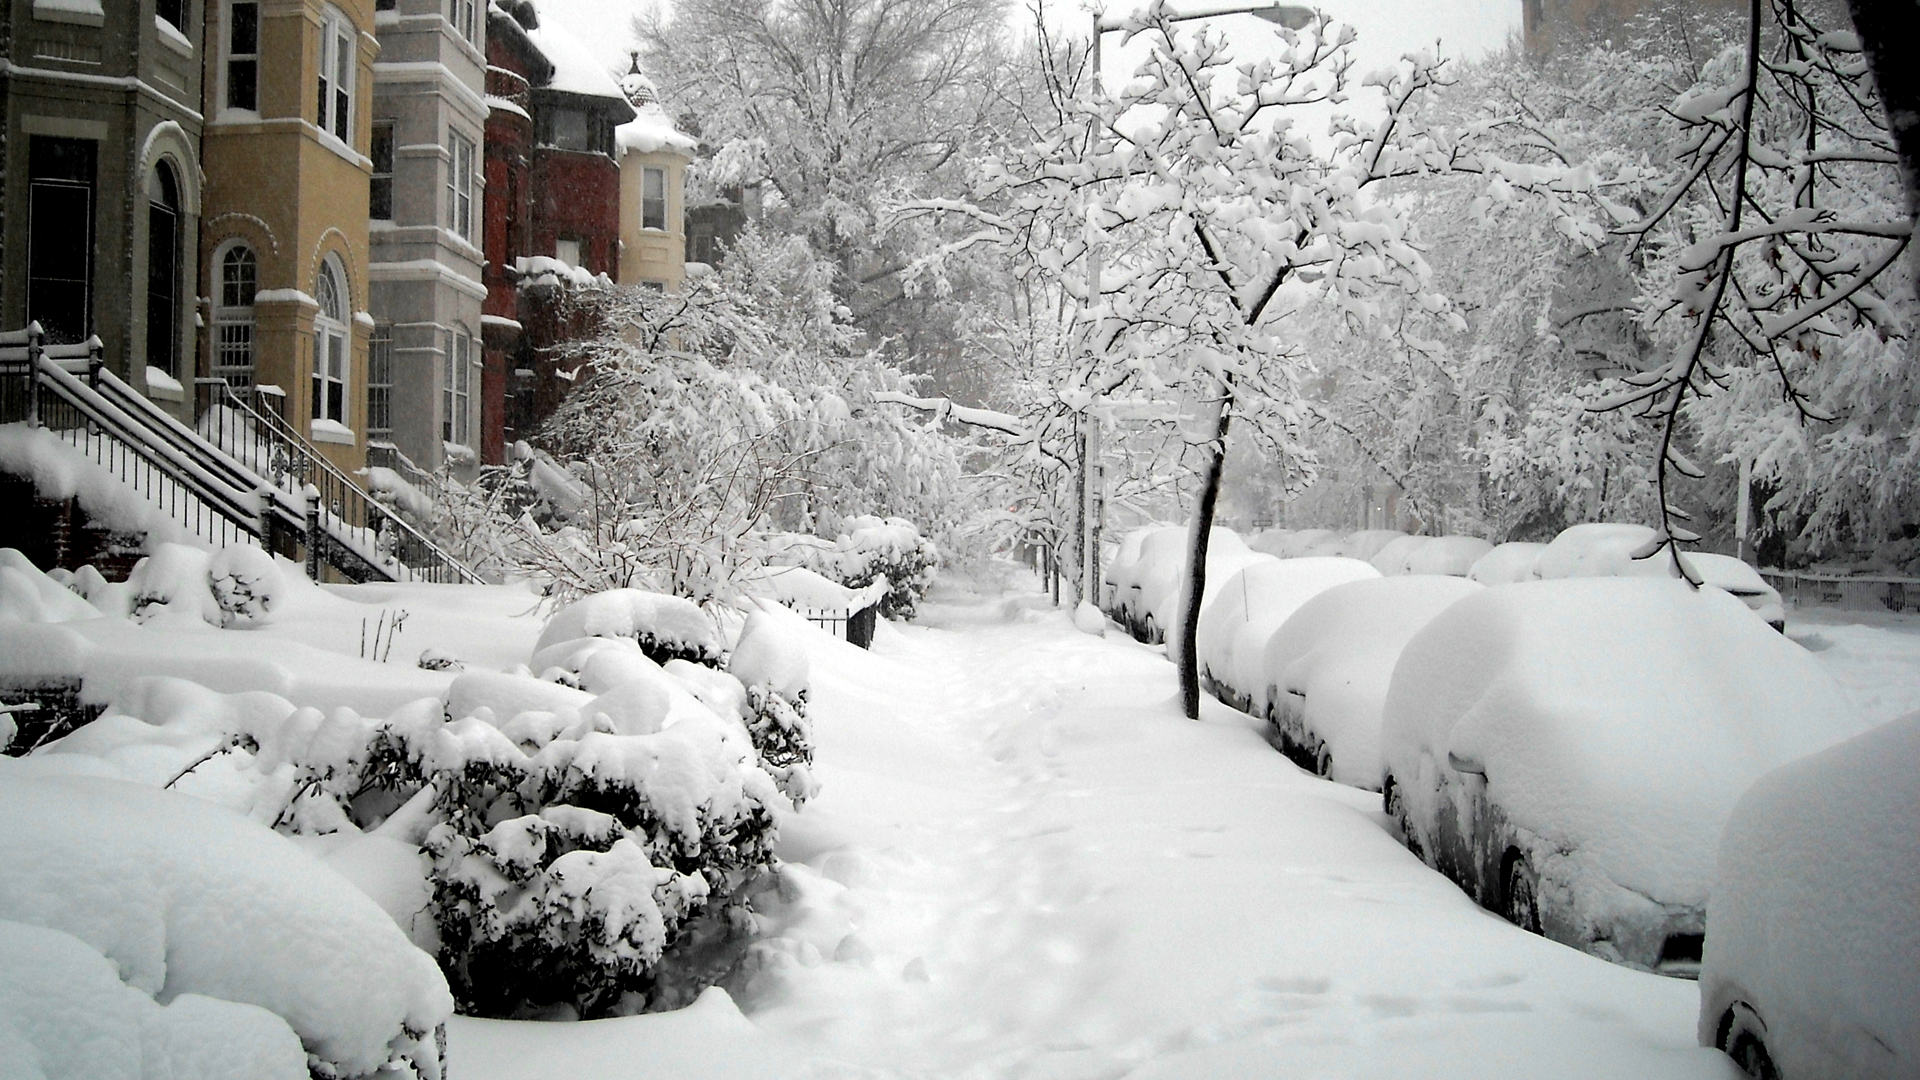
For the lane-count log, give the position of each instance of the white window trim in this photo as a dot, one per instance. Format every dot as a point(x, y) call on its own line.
point(224, 315)
point(666, 200)
point(460, 182)
point(223, 35)
point(323, 326)
point(337, 32)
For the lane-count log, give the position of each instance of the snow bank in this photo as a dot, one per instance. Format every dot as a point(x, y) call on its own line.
point(1815, 918)
point(1507, 563)
point(27, 595)
point(185, 897)
point(65, 1015)
point(1392, 559)
point(664, 626)
point(767, 656)
point(1249, 608)
point(60, 471)
point(1617, 720)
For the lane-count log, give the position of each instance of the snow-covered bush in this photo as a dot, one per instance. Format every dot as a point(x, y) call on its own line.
point(187, 898)
point(773, 667)
point(871, 548)
point(665, 626)
point(237, 586)
point(27, 595)
point(245, 583)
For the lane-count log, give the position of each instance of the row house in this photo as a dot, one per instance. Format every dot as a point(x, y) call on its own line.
point(581, 170)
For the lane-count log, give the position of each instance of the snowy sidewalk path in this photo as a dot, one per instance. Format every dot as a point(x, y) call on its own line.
point(1024, 863)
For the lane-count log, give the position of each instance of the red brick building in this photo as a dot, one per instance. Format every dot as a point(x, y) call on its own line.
point(553, 192)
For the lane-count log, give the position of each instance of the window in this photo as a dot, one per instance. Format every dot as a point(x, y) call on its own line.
point(336, 77)
point(386, 5)
point(380, 187)
point(60, 236)
point(653, 199)
point(380, 383)
point(330, 348)
point(233, 317)
point(571, 129)
point(163, 270)
point(460, 184)
point(464, 14)
point(173, 11)
point(243, 55)
point(454, 388)
point(567, 251)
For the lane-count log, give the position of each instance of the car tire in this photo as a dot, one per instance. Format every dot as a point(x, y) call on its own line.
point(1743, 1038)
point(1322, 762)
point(1520, 888)
point(1396, 810)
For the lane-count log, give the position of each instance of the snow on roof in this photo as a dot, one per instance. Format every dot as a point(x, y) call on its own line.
point(651, 131)
point(575, 71)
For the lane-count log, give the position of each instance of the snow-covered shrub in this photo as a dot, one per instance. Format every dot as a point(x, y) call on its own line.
point(665, 626)
point(172, 584)
point(188, 898)
point(27, 595)
point(892, 548)
point(245, 584)
point(773, 667)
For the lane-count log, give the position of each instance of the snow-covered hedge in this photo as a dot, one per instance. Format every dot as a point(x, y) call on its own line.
point(187, 898)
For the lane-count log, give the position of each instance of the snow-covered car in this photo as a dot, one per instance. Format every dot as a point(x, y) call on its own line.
point(1744, 582)
point(1328, 667)
point(1568, 751)
point(1139, 549)
point(1812, 965)
point(1366, 543)
point(1153, 608)
point(1608, 549)
point(1507, 563)
point(1246, 611)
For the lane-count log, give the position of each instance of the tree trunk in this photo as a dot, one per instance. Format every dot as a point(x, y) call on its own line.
point(1886, 29)
point(1197, 540)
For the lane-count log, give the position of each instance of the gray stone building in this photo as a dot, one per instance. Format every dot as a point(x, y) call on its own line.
point(429, 111)
point(100, 180)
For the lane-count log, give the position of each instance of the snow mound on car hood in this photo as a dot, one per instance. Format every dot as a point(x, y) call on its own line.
point(1617, 718)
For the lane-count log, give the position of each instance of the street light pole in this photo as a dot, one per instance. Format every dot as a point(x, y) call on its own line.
point(1092, 492)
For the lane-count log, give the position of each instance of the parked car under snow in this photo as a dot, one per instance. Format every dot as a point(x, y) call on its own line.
point(1608, 549)
point(1568, 751)
point(1812, 966)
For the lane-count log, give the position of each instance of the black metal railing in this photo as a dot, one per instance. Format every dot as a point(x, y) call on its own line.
point(361, 536)
point(245, 473)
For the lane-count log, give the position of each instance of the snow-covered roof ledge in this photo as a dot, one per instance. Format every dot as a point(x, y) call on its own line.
point(651, 131)
point(575, 71)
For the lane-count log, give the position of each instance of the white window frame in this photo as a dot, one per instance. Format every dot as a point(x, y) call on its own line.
point(647, 173)
point(337, 76)
point(456, 389)
point(380, 382)
point(461, 153)
point(464, 15)
point(233, 324)
point(332, 344)
point(229, 57)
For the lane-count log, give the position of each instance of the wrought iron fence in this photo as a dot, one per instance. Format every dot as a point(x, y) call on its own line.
point(1855, 592)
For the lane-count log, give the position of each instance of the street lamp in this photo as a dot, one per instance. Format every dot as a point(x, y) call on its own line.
point(1092, 502)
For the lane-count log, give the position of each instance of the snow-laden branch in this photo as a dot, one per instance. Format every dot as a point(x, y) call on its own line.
point(945, 409)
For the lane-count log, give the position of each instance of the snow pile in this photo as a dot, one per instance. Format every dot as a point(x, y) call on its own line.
point(65, 1013)
point(1815, 919)
point(60, 471)
point(1507, 563)
point(664, 626)
point(1616, 719)
point(651, 131)
point(543, 271)
point(27, 595)
point(185, 897)
point(1392, 558)
point(1234, 629)
point(1452, 556)
point(1329, 665)
point(807, 590)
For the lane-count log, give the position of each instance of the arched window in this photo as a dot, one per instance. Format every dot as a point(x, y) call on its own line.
point(163, 270)
point(239, 279)
point(330, 347)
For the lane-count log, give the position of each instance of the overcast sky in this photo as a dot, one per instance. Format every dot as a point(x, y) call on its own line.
point(1388, 28)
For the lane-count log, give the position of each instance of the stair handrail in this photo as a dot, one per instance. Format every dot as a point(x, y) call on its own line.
point(317, 461)
point(115, 423)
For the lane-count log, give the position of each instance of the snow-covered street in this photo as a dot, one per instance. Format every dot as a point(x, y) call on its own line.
point(1024, 863)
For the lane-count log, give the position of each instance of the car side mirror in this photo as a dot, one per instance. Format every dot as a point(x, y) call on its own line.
point(1465, 765)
